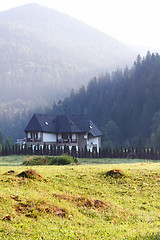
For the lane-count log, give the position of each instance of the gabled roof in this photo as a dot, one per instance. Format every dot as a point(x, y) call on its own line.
point(62, 124)
point(94, 130)
point(34, 125)
point(41, 123)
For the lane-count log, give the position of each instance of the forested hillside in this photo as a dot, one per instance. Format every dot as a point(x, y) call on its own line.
point(44, 53)
point(125, 104)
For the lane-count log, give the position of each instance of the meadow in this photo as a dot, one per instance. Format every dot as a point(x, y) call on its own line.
point(80, 201)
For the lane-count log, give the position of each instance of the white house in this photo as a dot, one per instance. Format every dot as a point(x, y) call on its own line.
point(75, 131)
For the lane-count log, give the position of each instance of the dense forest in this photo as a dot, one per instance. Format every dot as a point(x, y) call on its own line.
point(125, 105)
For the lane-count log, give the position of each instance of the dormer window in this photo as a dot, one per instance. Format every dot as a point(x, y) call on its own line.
point(90, 127)
point(71, 123)
point(46, 123)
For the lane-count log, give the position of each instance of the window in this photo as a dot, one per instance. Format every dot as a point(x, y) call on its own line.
point(74, 137)
point(32, 135)
point(65, 135)
point(28, 135)
point(36, 135)
point(59, 138)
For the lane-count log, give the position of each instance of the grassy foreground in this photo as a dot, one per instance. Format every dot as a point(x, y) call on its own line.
point(81, 202)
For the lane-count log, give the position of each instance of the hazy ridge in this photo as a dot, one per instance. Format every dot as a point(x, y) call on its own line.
point(44, 53)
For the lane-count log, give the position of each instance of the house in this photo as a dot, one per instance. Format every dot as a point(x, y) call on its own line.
point(75, 131)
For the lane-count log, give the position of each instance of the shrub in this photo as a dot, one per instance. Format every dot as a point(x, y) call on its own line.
point(50, 160)
point(38, 160)
point(63, 160)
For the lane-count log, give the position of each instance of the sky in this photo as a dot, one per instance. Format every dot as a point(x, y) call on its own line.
point(135, 22)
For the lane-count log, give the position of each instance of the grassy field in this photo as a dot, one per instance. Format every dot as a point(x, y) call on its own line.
point(80, 201)
point(18, 160)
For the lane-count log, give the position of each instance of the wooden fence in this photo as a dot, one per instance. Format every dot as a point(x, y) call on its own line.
point(105, 153)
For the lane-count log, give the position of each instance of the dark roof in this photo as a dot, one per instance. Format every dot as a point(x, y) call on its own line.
point(94, 130)
point(62, 123)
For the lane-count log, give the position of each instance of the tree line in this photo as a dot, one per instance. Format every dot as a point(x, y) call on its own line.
point(125, 105)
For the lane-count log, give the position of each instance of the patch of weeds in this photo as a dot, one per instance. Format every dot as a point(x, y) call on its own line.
point(82, 201)
point(34, 208)
point(50, 160)
point(64, 160)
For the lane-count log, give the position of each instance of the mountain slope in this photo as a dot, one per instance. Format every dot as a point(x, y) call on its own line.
point(44, 53)
point(125, 106)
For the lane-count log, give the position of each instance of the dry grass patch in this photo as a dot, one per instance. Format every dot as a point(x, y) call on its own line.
point(115, 173)
point(31, 174)
point(82, 201)
point(34, 208)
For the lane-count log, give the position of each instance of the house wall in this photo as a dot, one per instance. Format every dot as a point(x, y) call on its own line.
point(83, 139)
point(94, 142)
point(99, 141)
point(82, 142)
point(49, 137)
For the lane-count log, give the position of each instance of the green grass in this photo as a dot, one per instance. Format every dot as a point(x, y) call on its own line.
point(12, 160)
point(80, 201)
point(19, 159)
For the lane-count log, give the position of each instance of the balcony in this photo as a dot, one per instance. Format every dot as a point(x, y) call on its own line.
point(37, 140)
point(66, 141)
point(33, 140)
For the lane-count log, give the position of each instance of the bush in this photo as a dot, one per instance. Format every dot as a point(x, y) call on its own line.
point(38, 160)
point(49, 160)
point(63, 160)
